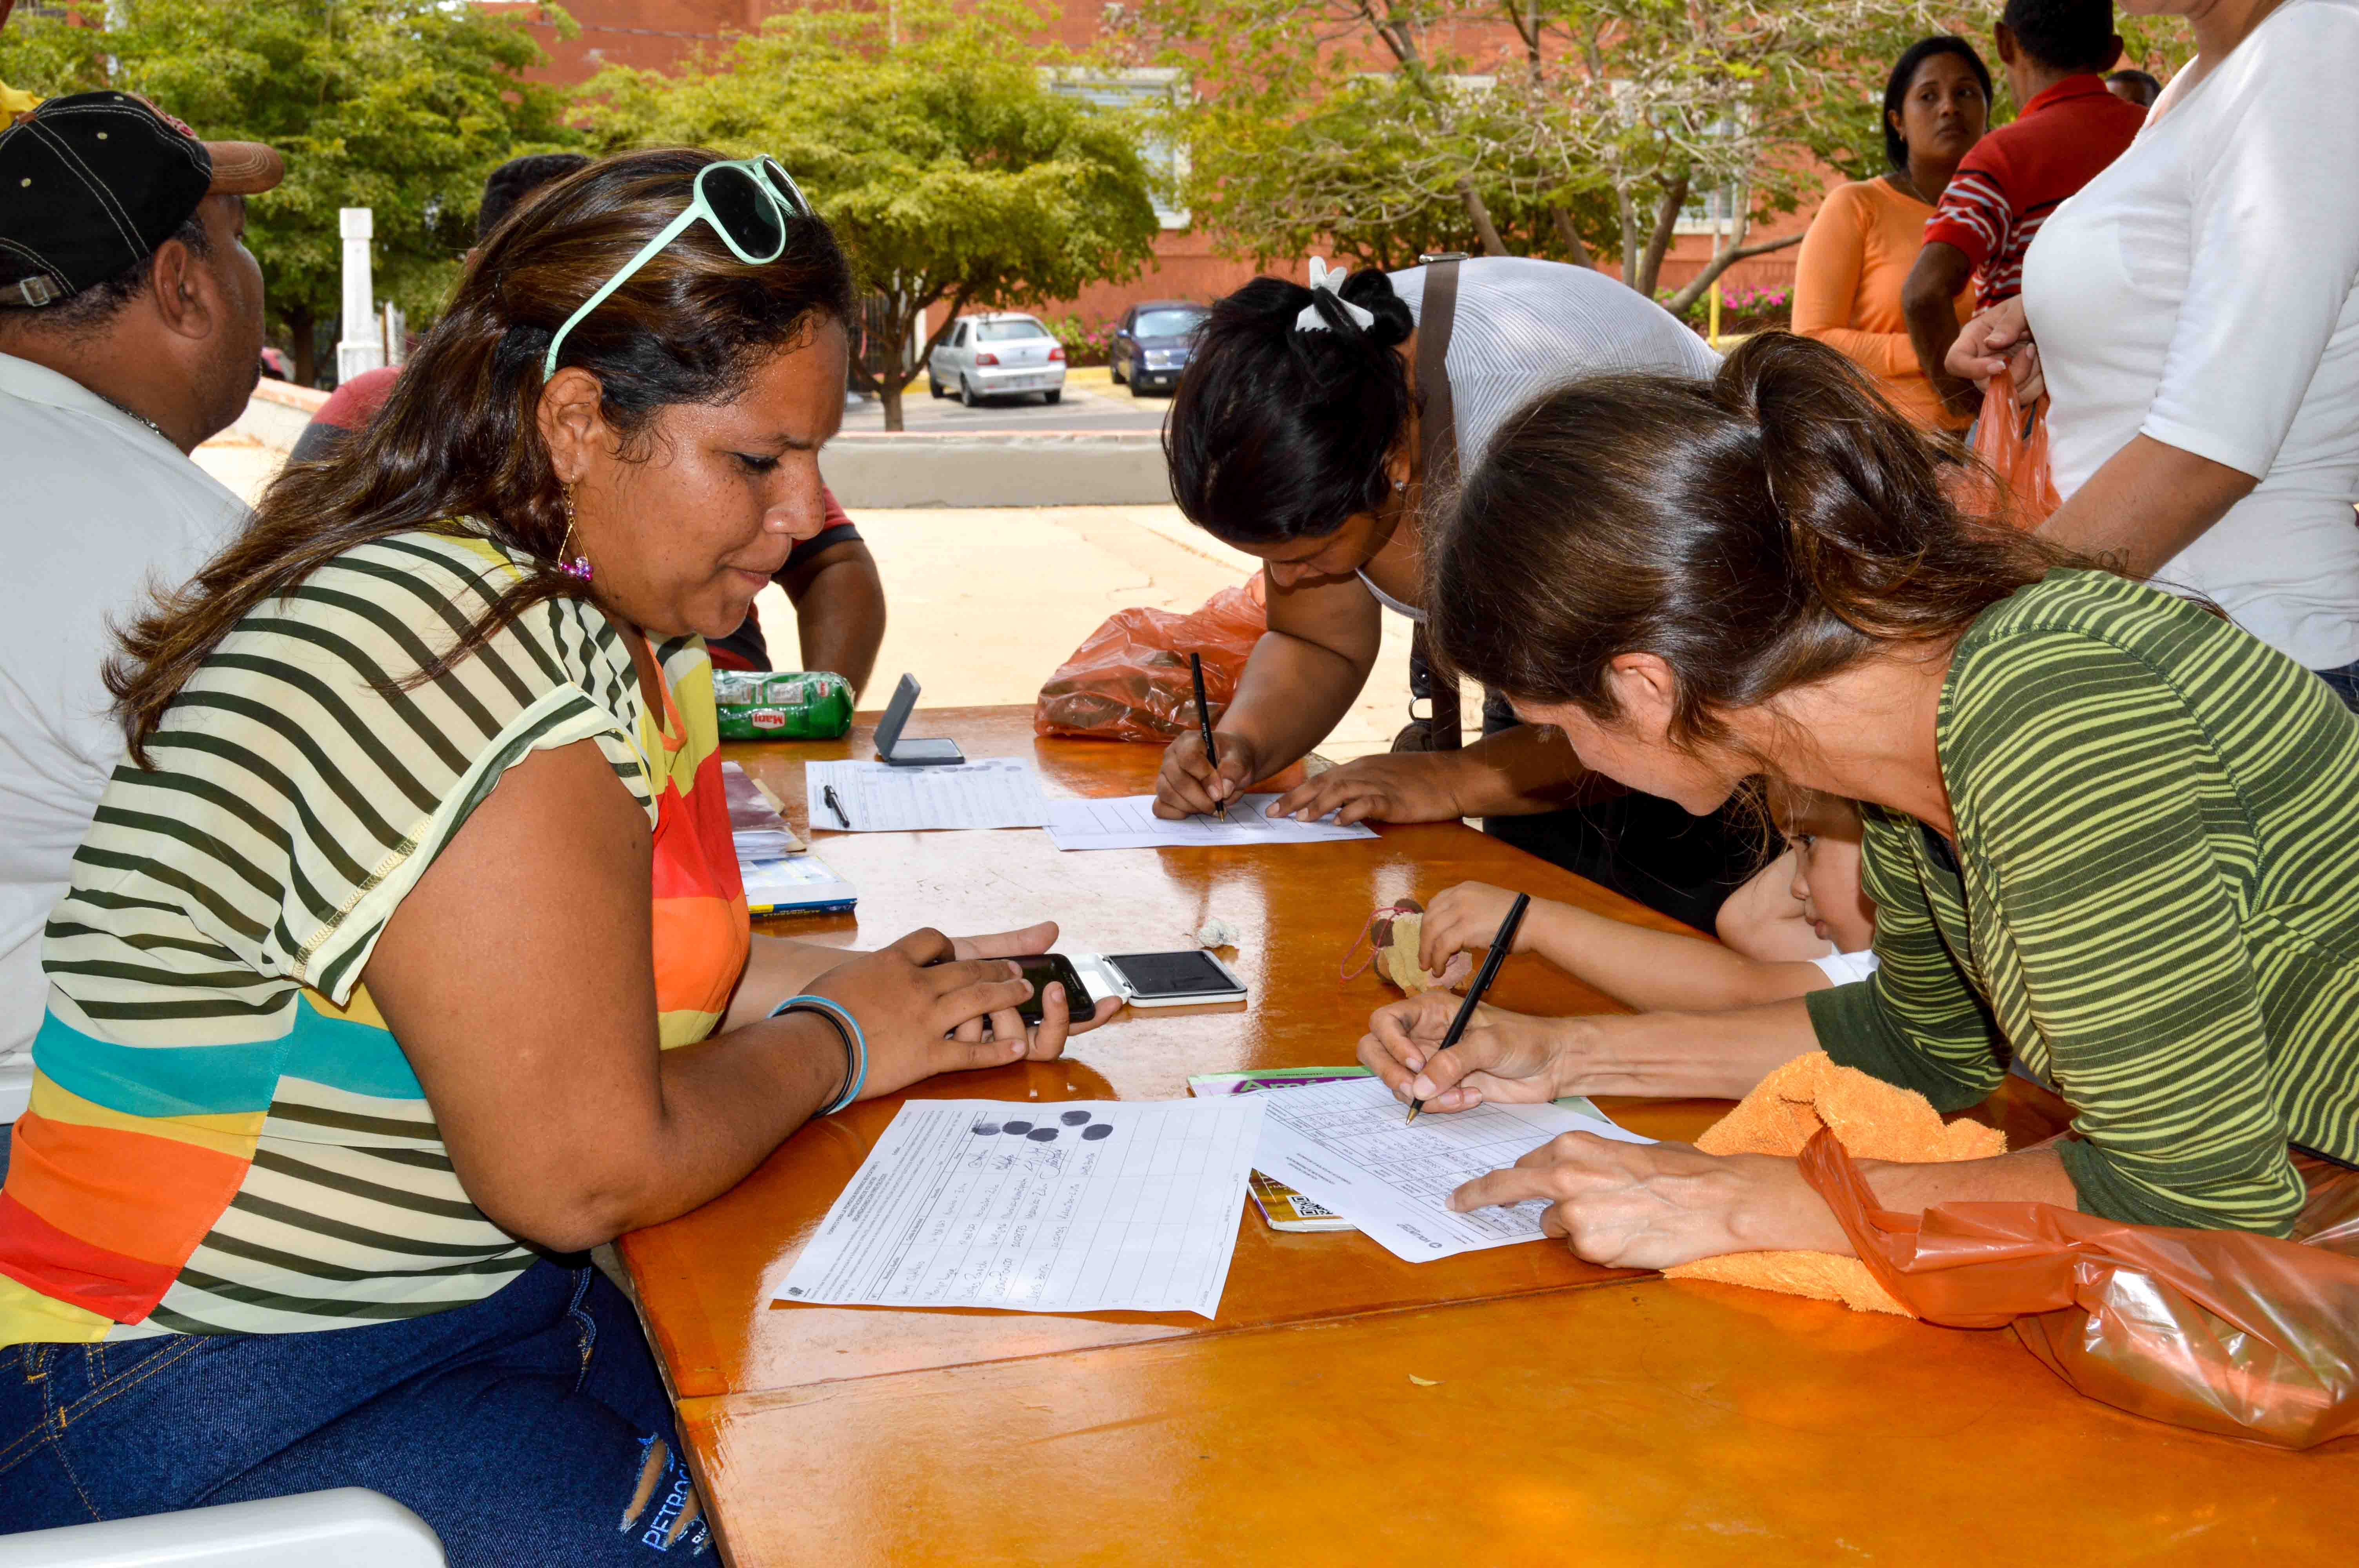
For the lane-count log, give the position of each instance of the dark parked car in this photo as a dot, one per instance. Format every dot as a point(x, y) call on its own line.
point(1150, 347)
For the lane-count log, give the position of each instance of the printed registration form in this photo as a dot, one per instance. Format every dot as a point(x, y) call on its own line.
point(1089, 1205)
point(1348, 1147)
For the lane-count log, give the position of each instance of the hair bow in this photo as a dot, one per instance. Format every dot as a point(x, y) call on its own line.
point(1332, 280)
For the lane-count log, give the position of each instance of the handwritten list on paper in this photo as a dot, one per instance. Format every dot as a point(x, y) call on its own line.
point(1348, 1147)
point(1071, 1207)
point(1129, 822)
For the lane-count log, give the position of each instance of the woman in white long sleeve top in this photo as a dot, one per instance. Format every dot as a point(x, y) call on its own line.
point(2198, 327)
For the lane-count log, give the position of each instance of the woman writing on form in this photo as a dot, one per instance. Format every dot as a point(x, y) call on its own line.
point(1302, 433)
point(2108, 836)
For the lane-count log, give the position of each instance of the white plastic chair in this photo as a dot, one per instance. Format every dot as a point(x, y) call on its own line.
point(350, 1527)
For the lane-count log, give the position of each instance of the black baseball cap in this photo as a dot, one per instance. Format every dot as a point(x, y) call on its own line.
point(92, 182)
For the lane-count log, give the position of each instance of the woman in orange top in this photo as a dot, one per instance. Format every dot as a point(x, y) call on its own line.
point(1862, 244)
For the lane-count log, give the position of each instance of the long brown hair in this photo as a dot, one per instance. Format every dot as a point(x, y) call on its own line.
point(1757, 531)
point(459, 437)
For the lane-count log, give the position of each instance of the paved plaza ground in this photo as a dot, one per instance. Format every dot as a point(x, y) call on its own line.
point(987, 602)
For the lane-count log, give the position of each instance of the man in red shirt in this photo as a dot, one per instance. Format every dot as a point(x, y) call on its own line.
point(2070, 128)
point(830, 578)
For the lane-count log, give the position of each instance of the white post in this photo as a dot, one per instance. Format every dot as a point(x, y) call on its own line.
point(360, 347)
point(396, 334)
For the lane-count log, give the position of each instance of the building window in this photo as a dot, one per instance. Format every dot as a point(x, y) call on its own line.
point(1143, 92)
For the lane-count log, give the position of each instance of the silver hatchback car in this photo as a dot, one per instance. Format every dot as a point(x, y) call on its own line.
point(998, 355)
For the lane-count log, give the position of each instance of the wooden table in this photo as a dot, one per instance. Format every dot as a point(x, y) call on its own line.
point(1572, 1410)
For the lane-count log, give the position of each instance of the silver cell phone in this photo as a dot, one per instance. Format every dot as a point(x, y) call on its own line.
point(895, 751)
point(1188, 979)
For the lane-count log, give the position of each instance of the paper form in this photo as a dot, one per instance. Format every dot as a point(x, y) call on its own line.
point(1129, 822)
point(1349, 1147)
point(999, 792)
point(1072, 1205)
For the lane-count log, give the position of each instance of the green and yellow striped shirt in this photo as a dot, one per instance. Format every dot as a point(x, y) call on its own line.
point(2156, 906)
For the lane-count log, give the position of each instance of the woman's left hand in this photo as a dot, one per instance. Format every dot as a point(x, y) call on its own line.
point(1651, 1206)
point(1027, 943)
point(1410, 787)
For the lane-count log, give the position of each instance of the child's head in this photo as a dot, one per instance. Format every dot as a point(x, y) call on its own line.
point(1823, 832)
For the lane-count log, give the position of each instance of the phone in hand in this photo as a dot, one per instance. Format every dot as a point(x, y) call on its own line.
point(1041, 969)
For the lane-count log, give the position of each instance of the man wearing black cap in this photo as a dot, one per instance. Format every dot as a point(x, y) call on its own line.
point(130, 330)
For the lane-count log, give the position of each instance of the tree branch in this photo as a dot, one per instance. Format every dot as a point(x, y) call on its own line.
point(1679, 303)
point(1569, 238)
point(1478, 213)
point(1666, 217)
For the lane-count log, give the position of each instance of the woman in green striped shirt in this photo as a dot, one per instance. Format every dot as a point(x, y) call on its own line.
point(2109, 836)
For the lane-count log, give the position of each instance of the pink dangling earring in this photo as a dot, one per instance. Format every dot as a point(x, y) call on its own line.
point(578, 568)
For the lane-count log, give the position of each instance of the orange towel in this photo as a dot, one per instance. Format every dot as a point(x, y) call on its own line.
point(1873, 1120)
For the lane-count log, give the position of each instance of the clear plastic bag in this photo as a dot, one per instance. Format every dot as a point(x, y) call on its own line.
point(2012, 444)
point(2223, 1331)
point(1129, 679)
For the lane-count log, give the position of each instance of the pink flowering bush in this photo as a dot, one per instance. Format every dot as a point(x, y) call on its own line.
point(1084, 345)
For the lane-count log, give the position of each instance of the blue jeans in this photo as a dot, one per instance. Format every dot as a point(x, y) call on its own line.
point(2345, 682)
point(528, 1427)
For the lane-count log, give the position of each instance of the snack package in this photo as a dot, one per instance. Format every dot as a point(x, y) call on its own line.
point(781, 705)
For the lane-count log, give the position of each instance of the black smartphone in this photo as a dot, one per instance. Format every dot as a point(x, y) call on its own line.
point(1043, 969)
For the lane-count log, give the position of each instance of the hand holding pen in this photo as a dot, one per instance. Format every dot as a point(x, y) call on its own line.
point(1501, 946)
point(1204, 723)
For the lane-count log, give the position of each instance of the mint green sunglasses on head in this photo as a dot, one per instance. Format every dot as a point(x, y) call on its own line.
point(746, 200)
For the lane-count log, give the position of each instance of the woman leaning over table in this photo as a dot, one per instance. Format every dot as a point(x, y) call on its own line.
point(2196, 307)
point(1299, 436)
point(2108, 835)
point(1866, 237)
point(406, 959)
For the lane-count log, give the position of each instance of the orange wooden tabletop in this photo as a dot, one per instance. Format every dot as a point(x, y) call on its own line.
point(1651, 1422)
point(706, 1280)
point(1565, 1413)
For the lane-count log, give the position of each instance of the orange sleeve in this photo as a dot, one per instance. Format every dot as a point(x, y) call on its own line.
point(1826, 288)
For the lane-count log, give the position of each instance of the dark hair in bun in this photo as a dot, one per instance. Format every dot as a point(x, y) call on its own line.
point(1278, 434)
point(1758, 532)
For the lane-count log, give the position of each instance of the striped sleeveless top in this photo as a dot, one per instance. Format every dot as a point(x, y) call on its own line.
point(2154, 904)
point(225, 1138)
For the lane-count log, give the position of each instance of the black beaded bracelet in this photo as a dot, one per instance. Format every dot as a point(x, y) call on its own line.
point(847, 1029)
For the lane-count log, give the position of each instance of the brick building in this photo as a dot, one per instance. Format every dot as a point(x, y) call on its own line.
point(663, 35)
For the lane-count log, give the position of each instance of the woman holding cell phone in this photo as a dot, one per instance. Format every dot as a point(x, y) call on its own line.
point(407, 958)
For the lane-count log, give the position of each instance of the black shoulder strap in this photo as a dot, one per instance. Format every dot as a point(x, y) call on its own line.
point(1437, 421)
point(1437, 415)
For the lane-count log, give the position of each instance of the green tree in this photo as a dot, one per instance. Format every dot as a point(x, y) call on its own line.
point(1341, 125)
point(1585, 125)
point(402, 107)
point(931, 139)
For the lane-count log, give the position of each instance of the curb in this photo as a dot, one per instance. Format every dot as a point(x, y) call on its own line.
point(900, 468)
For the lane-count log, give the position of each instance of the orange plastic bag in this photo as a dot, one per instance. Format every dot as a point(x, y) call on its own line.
point(2012, 444)
point(2223, 1331)
point(1129, 680)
